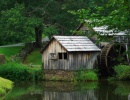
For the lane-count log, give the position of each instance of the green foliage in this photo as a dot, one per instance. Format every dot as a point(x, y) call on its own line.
point(122, 72)
point(5, 86)
point(12, 22)
point(16, 26)
point(50, 30)
point(19, 18)
point(15, 71)
point(85, 75)
point(111, 78)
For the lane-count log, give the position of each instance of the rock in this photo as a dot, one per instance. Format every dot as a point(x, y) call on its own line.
point(2, 58)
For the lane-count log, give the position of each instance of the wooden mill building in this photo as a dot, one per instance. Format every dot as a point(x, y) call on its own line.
point(69, 53)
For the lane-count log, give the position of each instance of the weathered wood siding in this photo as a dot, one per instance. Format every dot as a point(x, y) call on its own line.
point(75, 59)
point(54, 47)
point(82, 59)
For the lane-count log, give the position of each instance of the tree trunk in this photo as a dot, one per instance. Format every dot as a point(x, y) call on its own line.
point(38, 33)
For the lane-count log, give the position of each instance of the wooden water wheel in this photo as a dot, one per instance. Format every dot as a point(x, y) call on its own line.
point(111, 55)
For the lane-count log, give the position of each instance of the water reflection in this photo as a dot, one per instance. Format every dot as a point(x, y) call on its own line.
point(70, 91)
point(74, 95)
point(123, 88)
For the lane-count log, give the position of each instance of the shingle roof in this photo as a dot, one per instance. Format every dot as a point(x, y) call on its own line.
point(103, 30)
point(76, 43)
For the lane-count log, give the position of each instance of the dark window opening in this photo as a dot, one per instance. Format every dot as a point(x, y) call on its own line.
point(60, 55)
point(65, 55)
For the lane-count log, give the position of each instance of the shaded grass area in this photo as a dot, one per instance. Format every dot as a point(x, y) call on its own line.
point(34, 58)
point(10, 51)
point(5, 86)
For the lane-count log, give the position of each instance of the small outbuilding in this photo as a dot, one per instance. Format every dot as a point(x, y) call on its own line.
point(69, 53)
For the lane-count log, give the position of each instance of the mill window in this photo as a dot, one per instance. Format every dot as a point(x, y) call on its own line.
point(65, 55)
point(62, 55)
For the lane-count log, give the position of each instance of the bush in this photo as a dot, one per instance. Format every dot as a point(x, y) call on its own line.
point(85, 75)
point(5, 86)
point(15, 71)
point(122, 72)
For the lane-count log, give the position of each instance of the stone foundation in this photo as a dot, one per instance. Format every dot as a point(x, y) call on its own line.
point(58, 75)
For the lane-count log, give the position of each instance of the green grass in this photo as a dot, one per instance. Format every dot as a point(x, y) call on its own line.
point(10, 51)
point(5, 86)
point(35, 58)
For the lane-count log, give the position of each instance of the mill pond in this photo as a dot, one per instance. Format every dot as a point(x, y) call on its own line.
point(102, 90)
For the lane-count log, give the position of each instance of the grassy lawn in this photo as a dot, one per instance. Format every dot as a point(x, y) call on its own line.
point(5, 86)
point(10, 51)
point(34, 58)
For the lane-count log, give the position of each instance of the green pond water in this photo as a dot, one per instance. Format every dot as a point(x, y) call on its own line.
point(102, 90)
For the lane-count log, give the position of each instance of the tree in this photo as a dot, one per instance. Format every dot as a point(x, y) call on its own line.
point(115, 14)
point(32, 18)
point(12, 22)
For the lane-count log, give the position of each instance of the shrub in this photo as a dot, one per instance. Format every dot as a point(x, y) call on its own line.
point(85, 75)
point(122, 72)
point(15, 71)
point(5, 86)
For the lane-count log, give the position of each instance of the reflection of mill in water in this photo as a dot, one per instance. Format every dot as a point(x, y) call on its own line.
point(74, 95)
point(101, 90)
point(70, 91)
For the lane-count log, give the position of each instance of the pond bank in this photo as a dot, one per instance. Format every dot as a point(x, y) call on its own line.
point(58, 75)
point(67, 75)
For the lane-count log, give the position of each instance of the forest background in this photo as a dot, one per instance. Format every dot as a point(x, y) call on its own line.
point(27, 20)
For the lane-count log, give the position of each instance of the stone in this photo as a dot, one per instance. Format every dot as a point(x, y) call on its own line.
point(2, 58)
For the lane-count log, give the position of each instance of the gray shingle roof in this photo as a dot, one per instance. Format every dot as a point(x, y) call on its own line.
point(103, 30)
point(76, 43)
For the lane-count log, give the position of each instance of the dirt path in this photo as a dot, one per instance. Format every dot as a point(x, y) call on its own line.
point(12, 45)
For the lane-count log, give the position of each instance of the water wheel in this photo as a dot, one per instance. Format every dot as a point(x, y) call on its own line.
point(111, 55)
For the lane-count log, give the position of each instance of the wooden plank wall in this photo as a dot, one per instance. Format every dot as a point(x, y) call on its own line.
point(54, 47)
point(75, 59)
point(82, 59)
